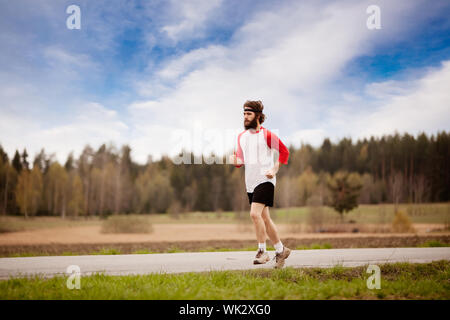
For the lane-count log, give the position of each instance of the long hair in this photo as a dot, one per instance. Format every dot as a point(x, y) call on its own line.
point(257, 105)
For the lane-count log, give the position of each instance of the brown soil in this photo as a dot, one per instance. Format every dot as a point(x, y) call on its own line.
point(164, 246)
point(177, 233)
point(194, 237)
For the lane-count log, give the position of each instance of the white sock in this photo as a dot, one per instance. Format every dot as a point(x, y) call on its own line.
point(278, 247)
point(262, 246)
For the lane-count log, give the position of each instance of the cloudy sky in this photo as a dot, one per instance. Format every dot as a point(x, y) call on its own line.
point(158, 75)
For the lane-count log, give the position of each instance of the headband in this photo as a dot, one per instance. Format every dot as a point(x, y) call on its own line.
point(252, 110)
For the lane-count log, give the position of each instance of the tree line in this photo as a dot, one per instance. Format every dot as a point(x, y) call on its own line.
point(390, 169)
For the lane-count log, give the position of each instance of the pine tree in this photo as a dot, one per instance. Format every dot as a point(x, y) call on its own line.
point(16, 162)
point(345, 189)
point(25, 164)
point(69, 165)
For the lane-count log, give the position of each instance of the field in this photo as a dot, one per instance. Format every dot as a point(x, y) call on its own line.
point(366, 227)
point(398, 281)
point(210, 231)
point(433, 213)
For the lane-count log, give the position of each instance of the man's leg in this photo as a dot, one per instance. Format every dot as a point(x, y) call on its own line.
point(256, 210)
point(282, 252)
point(270, 226)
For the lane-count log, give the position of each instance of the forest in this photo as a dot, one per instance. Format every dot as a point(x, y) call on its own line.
point(392, 168)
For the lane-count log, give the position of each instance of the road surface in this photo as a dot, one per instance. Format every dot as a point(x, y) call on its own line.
point(207, 261)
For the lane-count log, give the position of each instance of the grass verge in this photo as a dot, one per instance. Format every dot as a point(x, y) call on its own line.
point(398, 281)
point(205, 247)
point(171, 249)
point(434, 243)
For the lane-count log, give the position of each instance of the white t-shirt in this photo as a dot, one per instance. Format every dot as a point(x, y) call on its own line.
point(256, 149)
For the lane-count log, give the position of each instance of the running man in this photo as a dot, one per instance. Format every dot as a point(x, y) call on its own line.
point(255, 147)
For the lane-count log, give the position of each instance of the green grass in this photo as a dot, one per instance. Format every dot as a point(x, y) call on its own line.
point(434, 243)
point(377, 213)
point(143, 251)
point(315, 246)
point(112, 251)
point(26, 254)
point(174, 250)
point(107, 252)
point(398, 281)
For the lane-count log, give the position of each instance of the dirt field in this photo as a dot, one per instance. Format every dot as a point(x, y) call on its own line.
point(168, 232)
point(194, 237)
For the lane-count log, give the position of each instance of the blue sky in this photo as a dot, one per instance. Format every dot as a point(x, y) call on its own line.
point(152, 73)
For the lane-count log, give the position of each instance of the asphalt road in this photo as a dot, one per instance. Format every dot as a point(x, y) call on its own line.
point(207, 261)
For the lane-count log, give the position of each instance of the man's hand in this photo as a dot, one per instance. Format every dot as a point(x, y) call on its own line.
point(272, 172)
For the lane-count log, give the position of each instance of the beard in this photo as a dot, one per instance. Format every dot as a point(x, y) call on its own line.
point(252, 124)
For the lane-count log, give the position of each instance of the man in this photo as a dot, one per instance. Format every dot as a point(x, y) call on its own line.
point(255, 147)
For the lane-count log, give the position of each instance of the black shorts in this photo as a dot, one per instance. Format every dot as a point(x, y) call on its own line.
point(263, 193)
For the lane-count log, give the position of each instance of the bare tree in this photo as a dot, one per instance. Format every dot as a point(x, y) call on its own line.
point(421, 188)
point(84, 164)
point(315, 217)
point(216, 192)
point(396, 184)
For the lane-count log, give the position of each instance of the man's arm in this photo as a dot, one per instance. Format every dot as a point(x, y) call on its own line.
point(275, 143)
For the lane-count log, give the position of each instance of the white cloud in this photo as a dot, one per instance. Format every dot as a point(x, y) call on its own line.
point(90, 123)
point(412, 106)
point(313, 137)
point(423, 108)
point(389, 88)
point(58, 56)
point(280, 57)
point(288, 55)
point(191, 16)
point(67, 66)
point(187, 62)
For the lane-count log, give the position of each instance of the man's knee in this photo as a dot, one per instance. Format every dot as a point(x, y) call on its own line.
point(256, 210)
point(266, 218)
point(254, 214)
point(265, 214)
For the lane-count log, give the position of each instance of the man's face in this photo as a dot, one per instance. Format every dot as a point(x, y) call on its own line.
point(250, 121)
